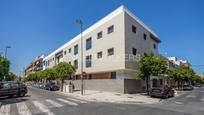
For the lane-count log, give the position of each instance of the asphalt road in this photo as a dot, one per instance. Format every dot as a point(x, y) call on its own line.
point(41, 102)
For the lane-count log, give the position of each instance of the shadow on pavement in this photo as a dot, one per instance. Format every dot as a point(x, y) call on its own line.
point(11, 100)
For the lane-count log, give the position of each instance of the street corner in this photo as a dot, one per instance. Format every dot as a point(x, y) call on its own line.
point(113, 97)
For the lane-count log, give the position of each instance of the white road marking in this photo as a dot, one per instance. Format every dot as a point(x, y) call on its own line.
point(202, 99)
point(68, 102)
point(179, 103)
point(80, 101)
point(23, 109)
point(5, 109)
point(191, 96)
point(54, 103)
point(42, 107)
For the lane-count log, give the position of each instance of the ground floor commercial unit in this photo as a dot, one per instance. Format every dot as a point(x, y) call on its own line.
point(118, 81)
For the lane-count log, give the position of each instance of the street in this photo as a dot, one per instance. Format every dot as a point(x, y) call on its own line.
point(42, 102)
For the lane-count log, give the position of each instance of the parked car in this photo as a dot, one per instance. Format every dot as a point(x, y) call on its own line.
point(188, 87)
point(11, 88)
point(51, 86)
point(162, 91)
point(198, 85)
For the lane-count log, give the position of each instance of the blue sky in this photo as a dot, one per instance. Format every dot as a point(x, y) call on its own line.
point(35, 27)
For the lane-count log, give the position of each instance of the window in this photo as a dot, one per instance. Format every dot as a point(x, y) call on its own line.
point(88, 61)
point(154, 46)
point(53, 59)
point(110, 51)
point(99, 55)
point(6, 85)
point(160, 82)
point(110, 29)
point(90, 76)
point(70, 50)
point(76, 64)
point(134, 29)
point(14, 85)
point(100, 35)
point(113, 75)
point(76, 49)
point(145, 36)
point(88, 43)
point(65, 52)
point(134, 51)
point(70, 62)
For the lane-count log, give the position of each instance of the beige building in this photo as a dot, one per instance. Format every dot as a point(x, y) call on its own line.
point(35, 66)
point(112, 48)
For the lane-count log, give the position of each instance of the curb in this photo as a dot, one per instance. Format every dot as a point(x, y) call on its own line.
point(174, 98)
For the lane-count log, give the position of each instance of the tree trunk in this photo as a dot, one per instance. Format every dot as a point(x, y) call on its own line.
point(62, 84)
point(147, 84)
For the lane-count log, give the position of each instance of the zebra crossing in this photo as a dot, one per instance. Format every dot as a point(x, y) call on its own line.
point(40, 106)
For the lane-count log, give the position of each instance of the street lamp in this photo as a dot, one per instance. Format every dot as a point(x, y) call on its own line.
point(79, 21)
point(7, 47)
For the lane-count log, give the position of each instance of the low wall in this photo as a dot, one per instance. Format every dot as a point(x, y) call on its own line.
point(134, 86)
point(109, 85)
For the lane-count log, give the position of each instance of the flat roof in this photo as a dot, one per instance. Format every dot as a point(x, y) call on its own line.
point(108, 17)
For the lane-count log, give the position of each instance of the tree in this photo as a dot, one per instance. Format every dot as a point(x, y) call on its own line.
point(50, 74)
point(11, 76)
point(4, 67)
point(182, 74)
point(151, 65)
point(63, 71)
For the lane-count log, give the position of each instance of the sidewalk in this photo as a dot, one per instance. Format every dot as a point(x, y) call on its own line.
point(111, 97)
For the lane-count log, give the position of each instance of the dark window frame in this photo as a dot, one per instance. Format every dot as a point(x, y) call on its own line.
point(65, 52)
point(99, 55)
point(88, 61)
point(134, 51)
point(145, 36)
point(100, 35)
point(110, 50)
point(113, 75)
point(89, 43)
point(134, 29)
point(76, 49)
point(70, 50)
point(110, 29)
point(76, 63)
point(154, 46)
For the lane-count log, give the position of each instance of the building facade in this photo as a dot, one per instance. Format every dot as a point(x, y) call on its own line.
point(35, 66)
point(112, 48)
point(179, 63)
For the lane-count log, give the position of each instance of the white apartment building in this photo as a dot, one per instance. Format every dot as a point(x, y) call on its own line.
point(179, 63)
point(111, 50)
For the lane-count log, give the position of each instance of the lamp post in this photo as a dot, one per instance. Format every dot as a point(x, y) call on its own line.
point(7, 47)
point(79, 21)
